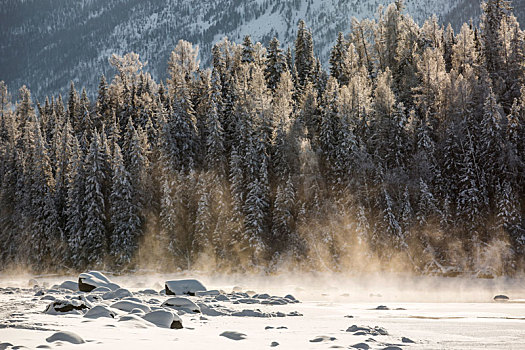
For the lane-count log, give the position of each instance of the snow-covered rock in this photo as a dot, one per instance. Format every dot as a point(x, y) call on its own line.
point(207, 293)
point(65, 336)
point(120, 293)
point(88, 281)
point(149, 292)
point(164, 319)
point(183, 304)
point(365, 330)
point(100, 311)
point(59, 307)
point(188, 286)
point(251, 313)
point(69, 285)
point(135, 321)
point(127, 305)
point(208, 310)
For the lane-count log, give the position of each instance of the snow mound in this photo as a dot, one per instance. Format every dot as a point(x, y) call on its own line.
point(59, 307)
point(120, 293)
point(183, 304)
point(178, 287)
point(101, 290)
point(128, 306)
point(233, 335)
point(69, 285)
point(100, 311)
point(135, 321)
point(88, 281)
point(65, 336)
point(164, 319)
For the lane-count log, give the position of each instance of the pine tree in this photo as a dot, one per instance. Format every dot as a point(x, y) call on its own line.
point(45, 231)
point(337, 58)
point(124, 214)
point(93, 241)
point(304, 56)
point(215, 152)
point(275, 64)
point(248, 50)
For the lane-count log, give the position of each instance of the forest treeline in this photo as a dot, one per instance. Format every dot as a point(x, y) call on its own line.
point(407, 154)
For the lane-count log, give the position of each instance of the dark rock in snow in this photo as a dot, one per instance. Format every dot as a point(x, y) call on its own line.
point(382, 307)
point(64, 306)
point(407, 340)
point(364, 330)
point(291, 298)
point(294, 313)
point(362, 346)
point(322, 338)
point(274, 344)
point(501, 298)
point(233, 335)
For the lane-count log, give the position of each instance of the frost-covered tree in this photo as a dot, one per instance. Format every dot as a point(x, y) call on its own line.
point(125, 221)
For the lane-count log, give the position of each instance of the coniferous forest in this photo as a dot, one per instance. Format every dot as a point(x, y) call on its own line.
point(407, 153)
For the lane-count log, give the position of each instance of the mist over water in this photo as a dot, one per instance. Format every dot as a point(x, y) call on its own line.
point(373, 288)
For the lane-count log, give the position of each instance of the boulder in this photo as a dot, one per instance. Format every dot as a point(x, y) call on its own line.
point(233, 335)
point(164, 319)
point(135, 321)
point(58, 307)
point(69, 285)
point(88, 281)
point(120, 293)
point(127, 305)
point(188, 287)
point(183, 304)
point(501, 298)
point(100, 311)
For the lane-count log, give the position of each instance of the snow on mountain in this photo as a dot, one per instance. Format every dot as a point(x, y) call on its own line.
point(46, 43)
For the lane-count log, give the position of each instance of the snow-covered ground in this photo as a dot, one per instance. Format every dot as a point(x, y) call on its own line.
point(336, 311)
